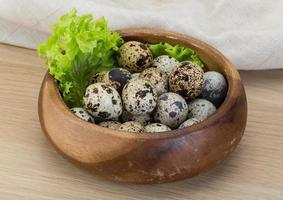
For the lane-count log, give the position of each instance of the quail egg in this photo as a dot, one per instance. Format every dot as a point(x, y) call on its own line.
point(189, 122)
point(187, 80)
point(144, 119)
point(103, 101)
point(117, 78)
point(200, 109)
point(139, 97)
point(165, 63)
point(157, 78)
point(156, 127)
point(171, 110)
point(134, 56)
point(214, 87)
point(132, 126)
point(83, 114)
point(99, 77)
point(135, 76)
point(110, 124)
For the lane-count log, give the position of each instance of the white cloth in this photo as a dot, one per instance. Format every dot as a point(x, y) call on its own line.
point(248, 32)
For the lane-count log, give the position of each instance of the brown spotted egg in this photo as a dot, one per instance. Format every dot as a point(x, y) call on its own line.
point(156, 127)
point(102, 101)
point(165, 63)
point(99, 77)
point(117, 78)
point(189, 122)
point(187, 80)
point(157, 78)
point(132, 126)
point(110, 124)
point(171, 110)
point(83, 114)
point(135, 76)
point(214, 88)
point(144, 119)
point(201, 109)
point(139, 97)
point(134, 56)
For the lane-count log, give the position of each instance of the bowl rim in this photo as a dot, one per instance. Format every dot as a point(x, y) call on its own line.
point(227, 104)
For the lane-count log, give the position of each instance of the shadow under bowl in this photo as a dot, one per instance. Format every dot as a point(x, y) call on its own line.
point(149, 158)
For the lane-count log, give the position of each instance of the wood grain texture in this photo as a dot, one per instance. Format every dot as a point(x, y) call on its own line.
point(31, 169)
point(149, 158)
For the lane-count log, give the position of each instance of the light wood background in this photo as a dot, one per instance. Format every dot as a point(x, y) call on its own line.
point(31, 169)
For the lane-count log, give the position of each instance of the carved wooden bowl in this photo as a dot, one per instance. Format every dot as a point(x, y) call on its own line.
point(149, 158)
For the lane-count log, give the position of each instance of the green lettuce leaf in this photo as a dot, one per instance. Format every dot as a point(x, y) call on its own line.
point(78, 48)
point(179, 52)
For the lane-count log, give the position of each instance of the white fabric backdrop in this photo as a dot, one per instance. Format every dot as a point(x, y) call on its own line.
point(248, 32)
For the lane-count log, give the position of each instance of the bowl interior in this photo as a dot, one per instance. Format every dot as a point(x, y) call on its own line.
point(213, 60)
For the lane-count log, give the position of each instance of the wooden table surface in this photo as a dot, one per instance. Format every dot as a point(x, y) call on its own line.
point(31, 169)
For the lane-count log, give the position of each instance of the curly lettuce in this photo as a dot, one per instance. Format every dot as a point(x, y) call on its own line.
point(78, 48)
point(179, 52)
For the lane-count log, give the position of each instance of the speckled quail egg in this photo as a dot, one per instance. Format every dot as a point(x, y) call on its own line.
point(156, 127)
point(189, 122)
point(110, 124)
point(144, 119)
point(165, 63)
point(200, 109)
point(117, 78)
point(132, 126)
point(139, 97)
point(187, 80)
point(135, 76)
point(134, 56)
point(171, 110)
point(99, 77)
point(103, 101)
point(83, 114)
point(157, 78)
point(214, 87)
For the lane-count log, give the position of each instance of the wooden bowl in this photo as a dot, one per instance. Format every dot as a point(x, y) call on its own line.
point(149, 158)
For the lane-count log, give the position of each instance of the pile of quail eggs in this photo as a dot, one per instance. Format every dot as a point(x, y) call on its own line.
point(151, 95)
